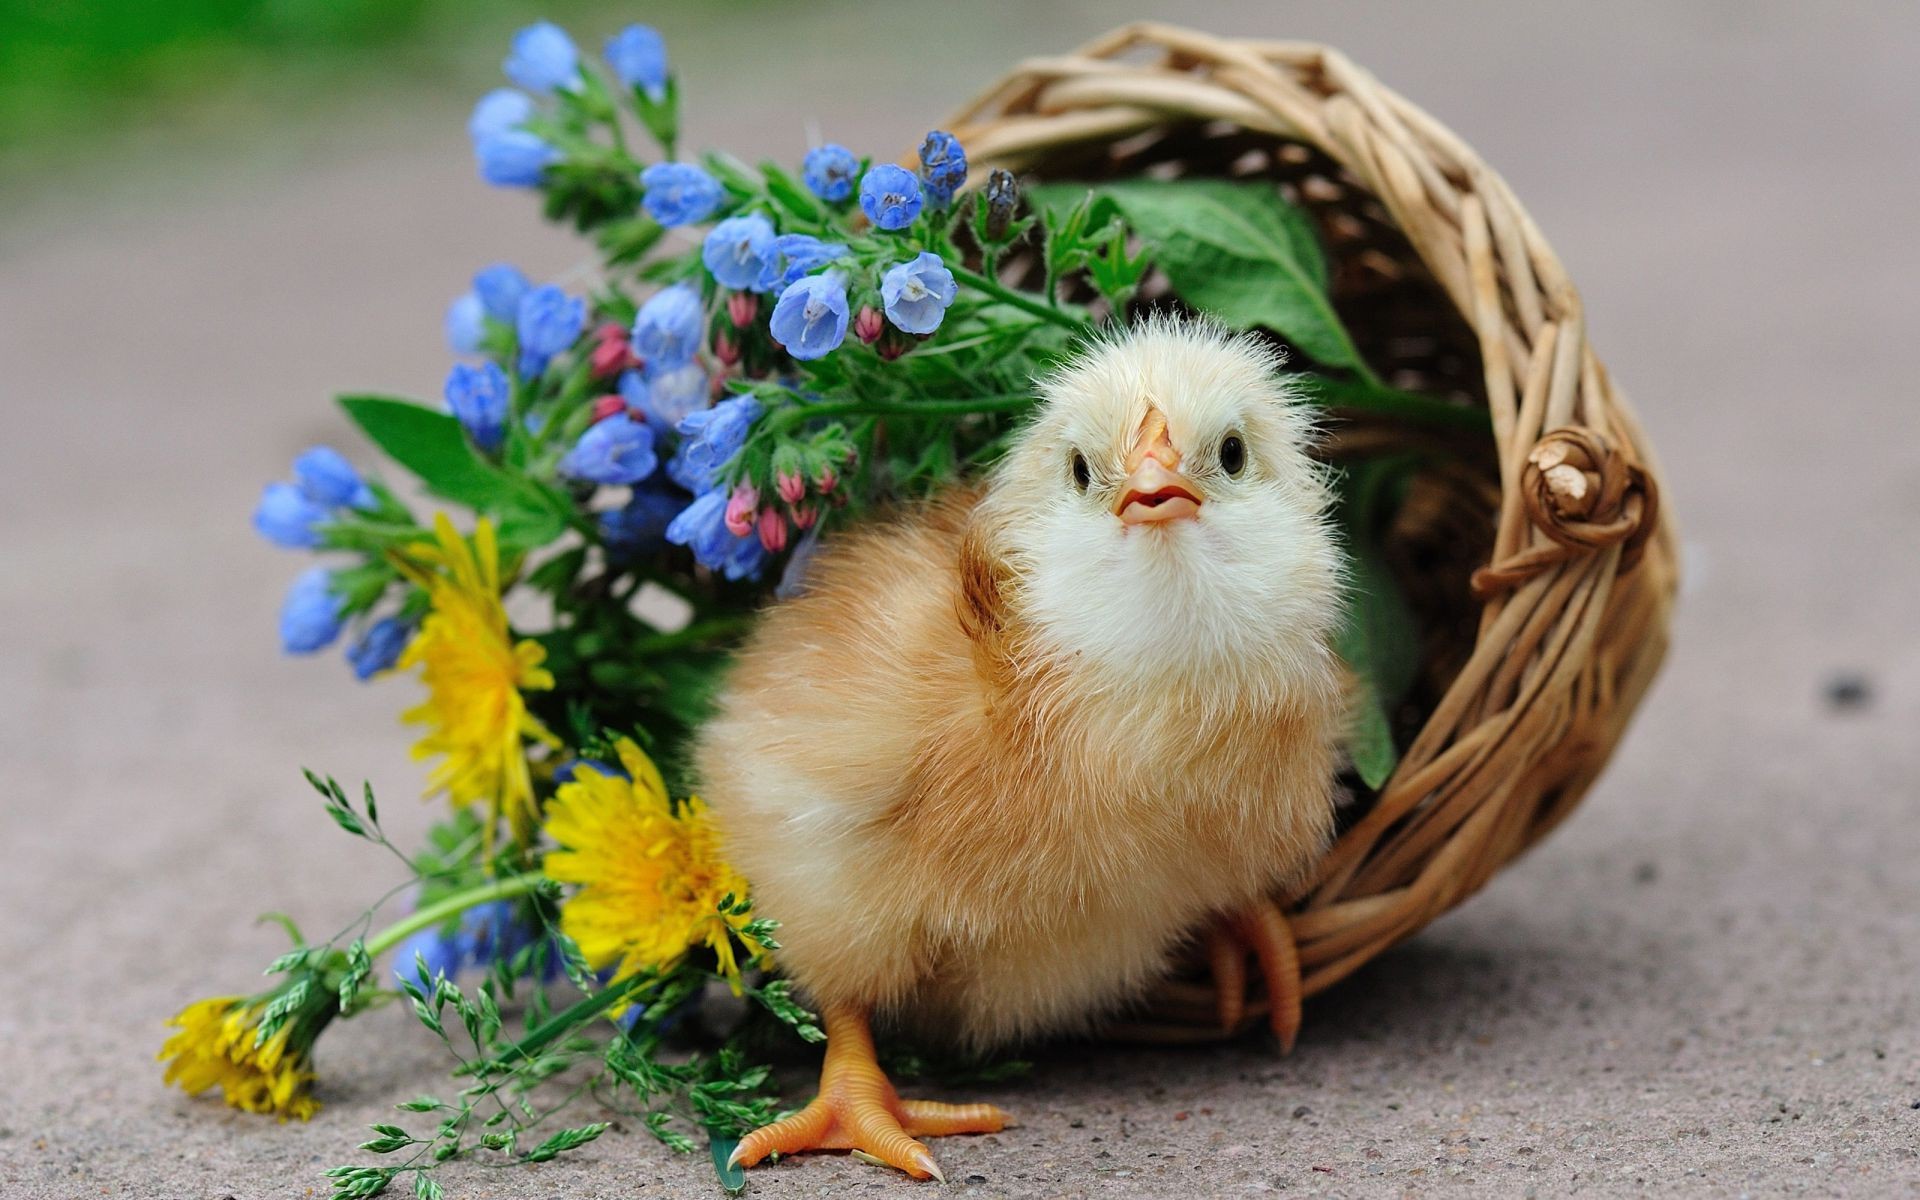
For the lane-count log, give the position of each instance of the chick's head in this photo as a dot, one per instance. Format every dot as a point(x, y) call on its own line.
point(1161, 515)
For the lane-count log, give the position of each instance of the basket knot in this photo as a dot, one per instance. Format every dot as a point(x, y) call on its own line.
point(1584, 495)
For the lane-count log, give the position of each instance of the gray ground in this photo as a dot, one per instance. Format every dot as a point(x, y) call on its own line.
point(1704, 985)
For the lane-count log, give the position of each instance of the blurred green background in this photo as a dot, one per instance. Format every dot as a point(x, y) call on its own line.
point(77, 76)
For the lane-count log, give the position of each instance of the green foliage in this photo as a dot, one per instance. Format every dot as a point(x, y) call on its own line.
point(1378, 639)
point(1236, 251)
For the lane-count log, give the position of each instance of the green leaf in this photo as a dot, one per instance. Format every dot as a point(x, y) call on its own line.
point(426, 1187)
point(732, 1178)
point(434, 447)
point(1237, 251)
point(1378, 640)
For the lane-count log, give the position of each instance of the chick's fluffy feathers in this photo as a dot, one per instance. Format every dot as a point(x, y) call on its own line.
point(982, 811)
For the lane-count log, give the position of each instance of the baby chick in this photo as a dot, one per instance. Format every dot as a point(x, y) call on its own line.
point(1006, 751)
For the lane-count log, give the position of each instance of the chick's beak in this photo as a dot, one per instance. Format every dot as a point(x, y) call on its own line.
point(1155, 491)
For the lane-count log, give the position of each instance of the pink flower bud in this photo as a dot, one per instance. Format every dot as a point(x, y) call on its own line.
point(742, 307)
point(725, 348)
point(828, 480)
point(740, 506)
point(791, 486)
point(773, 530)
point(607, 406)
point(612, 353)
point(804, 516)
point(868, 326)
point(890, 348)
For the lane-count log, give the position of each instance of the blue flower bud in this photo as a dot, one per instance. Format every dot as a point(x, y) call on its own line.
point(638, 56)
point(916, 293)
point(326, 477)
point(679, 193)
point(310, 616)
point(513, 159)
point(543, 58)
point(636, 530)
point(618, 450)
point(502, 110)
point(379, 647)
point(738, 250)
point(943, 166)
point(811, 318)
point(890, 196)
point(829, 170)
point(500, 288)
point(478, 397)
point(668, 329)
point(286, 517)
point(548, 322)
point(465, 324)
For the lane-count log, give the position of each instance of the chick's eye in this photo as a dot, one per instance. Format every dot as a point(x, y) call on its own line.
point(1233, 454)
point(1081, 476)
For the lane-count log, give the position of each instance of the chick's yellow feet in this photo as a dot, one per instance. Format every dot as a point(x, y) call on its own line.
point(1262, 929)
point(857, 1109)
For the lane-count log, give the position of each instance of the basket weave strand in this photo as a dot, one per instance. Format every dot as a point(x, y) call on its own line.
point(1567, 571)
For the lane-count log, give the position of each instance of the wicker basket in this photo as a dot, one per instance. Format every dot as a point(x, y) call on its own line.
point(1539, 563)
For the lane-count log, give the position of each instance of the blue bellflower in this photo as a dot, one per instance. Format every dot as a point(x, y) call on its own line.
point(811, 318)
point(673, 394)
point(668, 329)
point(287, 517)
point(638, 529)
point(828, 172)
point(465, 325)
point(500, 288)
point(943, 166)
point(890, 196)
point(310, 617)
point(638, 56)
point(502, 110)
point(326, 477)
point(679, 193)
point(702, 528)
point(477, 397)
point(379, 647)
point(916, 293)
point(543, 58)
point(712, 436)
point(618, 450)
point(515, 158)
point(548, 322)
point(739, 250)
point(795, 254)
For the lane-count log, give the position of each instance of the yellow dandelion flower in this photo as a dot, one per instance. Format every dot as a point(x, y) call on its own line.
point(651, 877)
point(214, 1048)
point(476, 717)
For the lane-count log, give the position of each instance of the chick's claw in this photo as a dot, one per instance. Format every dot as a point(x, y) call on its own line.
point(857, 1109)
point(1262, 929)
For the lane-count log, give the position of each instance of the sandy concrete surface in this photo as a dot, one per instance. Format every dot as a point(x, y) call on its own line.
point(1704, 985)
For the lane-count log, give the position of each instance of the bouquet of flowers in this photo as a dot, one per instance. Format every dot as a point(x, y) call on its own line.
point(766, 355)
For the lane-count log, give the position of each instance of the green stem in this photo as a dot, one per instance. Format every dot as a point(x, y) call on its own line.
point(1018, 299)
point(459, 902)
point(1004, 402)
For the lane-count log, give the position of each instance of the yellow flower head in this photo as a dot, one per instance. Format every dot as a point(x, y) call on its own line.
point(475, 672)
point(215, 1048)
point(651, 876)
